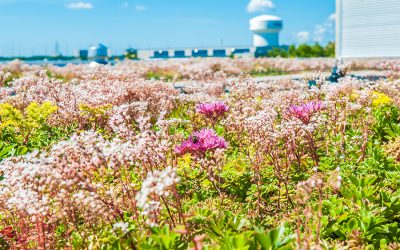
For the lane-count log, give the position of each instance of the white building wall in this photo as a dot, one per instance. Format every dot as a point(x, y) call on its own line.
point(145, 54)
point(368, 28)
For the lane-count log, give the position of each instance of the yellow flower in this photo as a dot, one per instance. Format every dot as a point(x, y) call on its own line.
point(354, 95)
point(380, 99)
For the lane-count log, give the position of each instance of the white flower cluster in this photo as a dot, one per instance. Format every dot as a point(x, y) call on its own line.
point(157, 184)
point(61, 179)
point(123, 226)
point(4, 77)
point(123, 116)
point(28, 200)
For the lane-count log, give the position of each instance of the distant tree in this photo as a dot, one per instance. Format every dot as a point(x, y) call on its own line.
point(274, 52)
point(284, 53)
point(292, 51)
point(278, 52)
point(304, 50)
point(330, 49)
point(317, 50)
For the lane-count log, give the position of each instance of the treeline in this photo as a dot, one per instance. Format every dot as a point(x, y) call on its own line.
point(304, 50)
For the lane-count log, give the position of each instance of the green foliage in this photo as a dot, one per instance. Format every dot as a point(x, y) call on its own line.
point(96, 116)
point(160, 75)
point(77, 240)
point(249, 204)
point(26, 130)
point(3, 243)
point(363, 209)
point(266, 71)
point(230, 232)
point(330, 49)
point(304, 51)
point(164, 239)
point(27, 124)
point(278, 52)
point(386, 122)
point(274, 239)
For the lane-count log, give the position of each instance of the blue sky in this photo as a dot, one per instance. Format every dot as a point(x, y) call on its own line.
point(33, 26)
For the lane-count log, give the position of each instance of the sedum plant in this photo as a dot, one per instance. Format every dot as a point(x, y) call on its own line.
point(222, 163)
point(25, 129)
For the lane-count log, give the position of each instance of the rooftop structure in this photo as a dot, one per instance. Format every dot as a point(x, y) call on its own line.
point(266, 30)
point(367, 29)
point(98, 51)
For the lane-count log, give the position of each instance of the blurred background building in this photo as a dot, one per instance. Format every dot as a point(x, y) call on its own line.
point(265, 29)
point(367, 28)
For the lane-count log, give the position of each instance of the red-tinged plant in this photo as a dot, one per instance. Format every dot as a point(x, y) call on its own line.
point(8, 232)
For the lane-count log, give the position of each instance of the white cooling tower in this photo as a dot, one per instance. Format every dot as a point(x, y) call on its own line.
point(266, 30)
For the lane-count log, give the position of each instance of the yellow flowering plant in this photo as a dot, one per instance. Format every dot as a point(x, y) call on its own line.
point(22, 125)
point(380, 99)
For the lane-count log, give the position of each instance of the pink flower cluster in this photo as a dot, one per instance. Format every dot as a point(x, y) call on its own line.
point(305, 111)
point(212, 110)
point(200, 142)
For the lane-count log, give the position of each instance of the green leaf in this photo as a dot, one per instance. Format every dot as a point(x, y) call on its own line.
point(5, 151)
point(22, 150)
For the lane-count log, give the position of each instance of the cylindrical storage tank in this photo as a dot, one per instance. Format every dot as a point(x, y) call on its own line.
point(98, 51)
point(266, 30)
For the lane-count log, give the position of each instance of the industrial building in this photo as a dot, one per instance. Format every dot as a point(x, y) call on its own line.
point(83, 54)
point(367, 28)
point(265, 29)
point(195, 52)
point(98, 51)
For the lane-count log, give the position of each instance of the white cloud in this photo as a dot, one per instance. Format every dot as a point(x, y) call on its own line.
point(332, 17)
point(319, 33)
point(79, 6)
point(303, 36)
point(141, 8)
point(260, 5)
point(326, 30)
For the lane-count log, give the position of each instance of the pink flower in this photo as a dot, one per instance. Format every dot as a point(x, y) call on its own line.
point(305, 111)
point(212, 110)
point(200, 142)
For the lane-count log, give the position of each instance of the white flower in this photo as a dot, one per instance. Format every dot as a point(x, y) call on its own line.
point(123, 226)
point(156, 184)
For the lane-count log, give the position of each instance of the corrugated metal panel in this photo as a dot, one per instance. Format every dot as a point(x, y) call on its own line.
point(368, 28)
